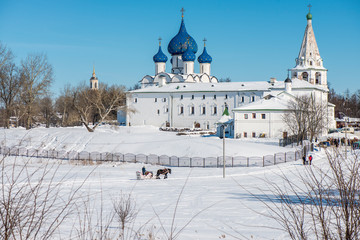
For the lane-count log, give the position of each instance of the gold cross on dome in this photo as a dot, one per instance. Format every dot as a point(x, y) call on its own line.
point(182, 12)
point(309, 6)
point(204, 41)
point(160, 41)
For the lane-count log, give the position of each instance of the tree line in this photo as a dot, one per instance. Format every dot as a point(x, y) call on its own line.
point(25, 97)
point(347, 103)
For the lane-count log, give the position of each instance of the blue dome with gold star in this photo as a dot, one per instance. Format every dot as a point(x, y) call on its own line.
point(160, 56)
point(188, 55)
point(204, 57)
point(181, 42)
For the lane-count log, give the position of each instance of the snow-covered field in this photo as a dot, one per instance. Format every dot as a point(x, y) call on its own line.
point(228, 209)
point(142, 139)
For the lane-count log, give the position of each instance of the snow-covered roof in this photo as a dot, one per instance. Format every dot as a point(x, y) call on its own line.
point(228, 87)
point(298, 84)
point(273, 103)
point(206, 87)
point(225, 119)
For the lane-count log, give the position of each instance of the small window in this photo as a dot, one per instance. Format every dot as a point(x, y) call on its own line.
point(226, 96)
point(164, 99)
point(181, 97)
point(181, 110)
point(310, 63)
point(253, 98)
point(166, 110)
point(246, 116)
point(215, 110)
point(245, 134)
point(203, 110)
point(214, 96)
point(242, 99)
point(192, 96)
point(192, 110)
point(263, 116)
point(155, 100)
point(253, 134)
point(135, 100)
point(203, 96)
point(158, 111)
point(254, 115)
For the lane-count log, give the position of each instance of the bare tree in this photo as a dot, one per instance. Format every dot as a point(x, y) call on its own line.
point(125, 212)
point(319, 203)
point(227, 79)
point(305, 117)
point(46, 108)
point(9, 83)
point(32, 200)
point(97, 105)
point(36, 76)
point(64, 107)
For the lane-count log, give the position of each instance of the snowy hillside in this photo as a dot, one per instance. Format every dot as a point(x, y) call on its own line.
point(142, 139)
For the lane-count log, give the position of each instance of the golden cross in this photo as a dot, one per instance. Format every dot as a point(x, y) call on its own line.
point(204, 41)
point(182, 12)
point(309, 6)
point(160, 41)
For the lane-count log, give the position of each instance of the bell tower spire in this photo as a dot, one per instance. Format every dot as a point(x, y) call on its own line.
point(309, 64)
point(94, 82)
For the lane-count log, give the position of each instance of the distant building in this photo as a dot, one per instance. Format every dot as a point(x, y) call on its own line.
point(94, 82)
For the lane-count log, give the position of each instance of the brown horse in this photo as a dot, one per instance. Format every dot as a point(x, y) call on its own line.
point(164, 171)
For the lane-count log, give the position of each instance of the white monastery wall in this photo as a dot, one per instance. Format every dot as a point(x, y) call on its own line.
point(250, 124)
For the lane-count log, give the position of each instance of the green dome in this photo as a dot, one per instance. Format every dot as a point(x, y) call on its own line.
point(309, 16)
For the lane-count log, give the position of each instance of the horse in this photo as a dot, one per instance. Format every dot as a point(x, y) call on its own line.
point(164, 171)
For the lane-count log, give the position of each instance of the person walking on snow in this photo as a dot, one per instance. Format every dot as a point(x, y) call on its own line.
point(304, 159)
point(310, 159)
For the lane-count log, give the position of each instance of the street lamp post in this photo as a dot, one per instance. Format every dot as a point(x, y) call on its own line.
point(224, 162)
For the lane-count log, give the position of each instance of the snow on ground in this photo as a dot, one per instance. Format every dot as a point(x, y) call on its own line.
point(232, 211)
point(141, 139)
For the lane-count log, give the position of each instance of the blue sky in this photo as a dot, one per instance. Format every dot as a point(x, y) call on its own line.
point(248, 40)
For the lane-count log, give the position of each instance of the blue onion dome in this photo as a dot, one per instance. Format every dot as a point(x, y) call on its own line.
point(177, 43)
point(160, 56)
point(188, 55)
point(205, 57)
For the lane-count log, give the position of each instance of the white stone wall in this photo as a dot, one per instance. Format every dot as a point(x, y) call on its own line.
point(145, 110)
point(272, 126)
point(205, 68)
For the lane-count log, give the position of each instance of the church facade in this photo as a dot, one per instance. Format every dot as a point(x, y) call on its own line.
point(185, 99)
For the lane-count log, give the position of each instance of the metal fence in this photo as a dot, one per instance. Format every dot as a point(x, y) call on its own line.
point(171, 161)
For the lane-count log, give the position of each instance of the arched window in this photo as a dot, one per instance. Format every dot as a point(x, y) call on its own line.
point(181, 109)
point(318, 78)
point(305, 76)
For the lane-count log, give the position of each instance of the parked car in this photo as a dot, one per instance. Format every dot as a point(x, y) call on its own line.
point(333, 130)
point(347, 130)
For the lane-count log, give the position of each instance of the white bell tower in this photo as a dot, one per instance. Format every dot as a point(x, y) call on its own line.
point(309, 65)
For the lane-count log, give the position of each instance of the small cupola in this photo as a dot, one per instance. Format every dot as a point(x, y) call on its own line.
point(288, 84)
point(188, 55)
point(160, 60)
point(204, 57)
point(160, 56)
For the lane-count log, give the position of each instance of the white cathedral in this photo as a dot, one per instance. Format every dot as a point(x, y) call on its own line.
point(185, 99)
